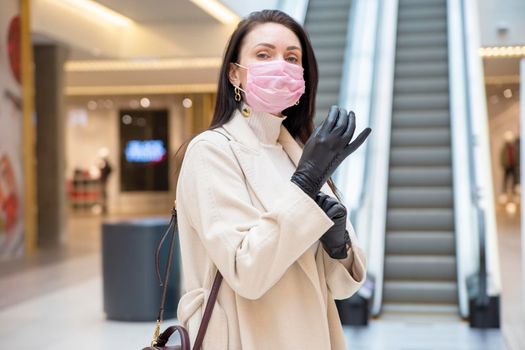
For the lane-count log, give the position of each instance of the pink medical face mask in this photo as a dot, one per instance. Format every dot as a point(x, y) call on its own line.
point(273, 86)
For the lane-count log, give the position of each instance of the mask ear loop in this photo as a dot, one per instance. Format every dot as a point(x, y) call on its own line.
point(235, 86)
point(240, 65)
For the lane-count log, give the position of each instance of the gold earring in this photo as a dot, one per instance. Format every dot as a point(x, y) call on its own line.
point(237, 94)
point(297, 103)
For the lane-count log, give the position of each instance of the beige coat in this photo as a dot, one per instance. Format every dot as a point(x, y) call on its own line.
point(237, 214)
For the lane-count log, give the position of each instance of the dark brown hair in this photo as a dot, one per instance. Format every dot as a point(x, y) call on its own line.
point(299, 121)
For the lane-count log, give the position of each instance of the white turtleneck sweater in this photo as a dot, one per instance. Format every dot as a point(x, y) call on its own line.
point(267, 127)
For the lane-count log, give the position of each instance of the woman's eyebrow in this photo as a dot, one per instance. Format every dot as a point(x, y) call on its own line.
point(266, 44)
point(293, 47)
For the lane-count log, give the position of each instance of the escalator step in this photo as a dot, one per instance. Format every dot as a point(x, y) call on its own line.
point(421, 85)
point(420, 119)
point(420, 267)
point(420, 176)
point(420, 197)
point(429, 26)
point(330, 56)
point(420, 291)
point(329, 85)
point(420, 242)
point(330, 71)
point(329, 13)
point(431, 310)
point(421, 3)
point(420, 219)
point(426, 69)
point(406, 137)
point(314, 5)
point(418, 156)
point(423, 14)
point(322, 41)
point(434, 54)
point(411, 101)
point(421, 40)
point(332, 28)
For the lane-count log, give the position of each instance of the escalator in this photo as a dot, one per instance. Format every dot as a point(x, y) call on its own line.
point(419, 191)
point(420, 255)
point(326, 23)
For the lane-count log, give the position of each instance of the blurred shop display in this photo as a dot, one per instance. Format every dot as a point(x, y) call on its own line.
point(510, 162)
point(11, 158)
point(503, 106)
point(85, 191)
point(87, 188)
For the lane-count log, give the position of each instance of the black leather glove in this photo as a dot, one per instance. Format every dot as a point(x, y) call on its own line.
point(336, 240)
point(325, 149)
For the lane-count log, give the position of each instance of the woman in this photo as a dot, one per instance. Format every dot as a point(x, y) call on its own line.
point(257, 208)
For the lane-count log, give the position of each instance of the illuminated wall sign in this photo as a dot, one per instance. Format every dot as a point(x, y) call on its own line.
point(147, 151)
point(144, 150)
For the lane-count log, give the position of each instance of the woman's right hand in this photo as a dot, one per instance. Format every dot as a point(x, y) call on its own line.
point(325, 149)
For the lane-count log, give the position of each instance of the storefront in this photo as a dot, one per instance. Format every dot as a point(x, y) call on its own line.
point(131, 141)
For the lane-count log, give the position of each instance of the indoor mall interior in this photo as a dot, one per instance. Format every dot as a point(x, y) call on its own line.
point(97, 97)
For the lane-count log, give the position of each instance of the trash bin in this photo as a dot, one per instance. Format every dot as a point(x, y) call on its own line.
point(130, 286)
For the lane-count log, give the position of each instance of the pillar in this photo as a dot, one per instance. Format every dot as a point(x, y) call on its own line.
point(50, 143)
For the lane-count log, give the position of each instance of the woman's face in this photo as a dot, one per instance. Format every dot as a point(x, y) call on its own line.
point(266, 42)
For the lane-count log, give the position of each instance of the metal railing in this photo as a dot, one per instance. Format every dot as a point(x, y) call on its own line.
point(369, 74)
point(476, 240)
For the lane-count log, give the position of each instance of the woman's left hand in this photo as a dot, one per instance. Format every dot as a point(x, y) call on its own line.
point(336, 240)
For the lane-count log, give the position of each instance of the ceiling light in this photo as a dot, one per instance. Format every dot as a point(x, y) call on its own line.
point(102, 13)
point(511, 208)
point(187, 103)
point(507, 93)
point(134, 104)
point(502, 51)
point(92, 105)
point(139, 90)
point(152, 64)
point(145, 102)
point(108, 103)
point(217, 10)
point(127, 119)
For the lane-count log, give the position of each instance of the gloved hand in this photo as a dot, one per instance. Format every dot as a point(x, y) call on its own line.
point(336, 240)
point(325, 149)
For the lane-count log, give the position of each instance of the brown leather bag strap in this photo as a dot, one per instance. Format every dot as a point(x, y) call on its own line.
point(164, 337)
point(214, 290)
point(213, 294)
point(171, 228)
point(208, 311)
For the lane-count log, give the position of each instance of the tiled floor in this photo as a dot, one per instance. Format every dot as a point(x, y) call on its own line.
point(54, 301)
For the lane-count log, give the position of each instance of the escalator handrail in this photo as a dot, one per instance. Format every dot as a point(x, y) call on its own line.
point(477, 186)
point(347, 99)
point(368, 209)
point(474, 189)
point(295, 8)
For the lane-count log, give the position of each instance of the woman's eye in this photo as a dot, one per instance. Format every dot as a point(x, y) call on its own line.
point(263, 55)
point(292, 59)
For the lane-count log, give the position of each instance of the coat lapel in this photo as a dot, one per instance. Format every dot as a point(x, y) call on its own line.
point(261, 174)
